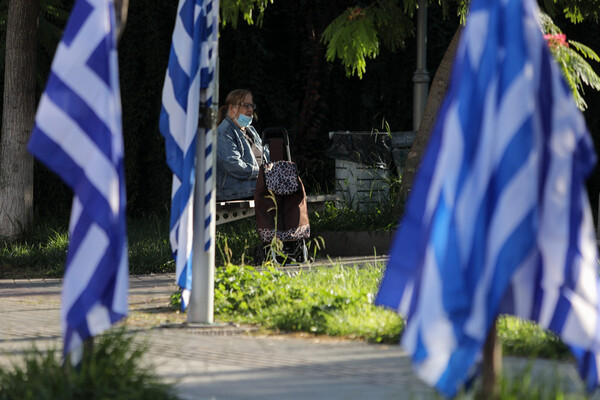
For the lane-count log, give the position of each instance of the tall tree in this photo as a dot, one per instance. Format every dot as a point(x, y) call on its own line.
point(16, 165)
point(18, 114)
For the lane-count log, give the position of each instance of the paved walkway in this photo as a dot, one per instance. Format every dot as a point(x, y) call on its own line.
point(227, 362)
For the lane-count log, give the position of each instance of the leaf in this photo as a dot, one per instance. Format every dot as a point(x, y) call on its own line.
point(584, 71)
point(585, 50)
point(393, 24)
point(576, 70)
point(358, 33)
point(231, 10)
point(352, 38)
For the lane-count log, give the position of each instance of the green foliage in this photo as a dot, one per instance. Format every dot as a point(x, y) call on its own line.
point(334, 301)
point(236, 241)
point(525, 338)
point(338, 301)
point(353, 40)
point(41, 252)
point(347, 218)
point(249, 9)
point(354, 36)
point(577, 11)
point(358, 33)
point(574, 67)
point(245, 290)
point(113, 370)
point(149, 248)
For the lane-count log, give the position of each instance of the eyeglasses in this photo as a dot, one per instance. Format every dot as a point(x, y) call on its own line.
point(248, 105)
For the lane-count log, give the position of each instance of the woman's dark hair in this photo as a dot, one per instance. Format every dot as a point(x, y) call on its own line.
point(234, 97)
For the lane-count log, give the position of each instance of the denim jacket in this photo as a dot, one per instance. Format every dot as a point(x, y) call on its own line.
point(237, 169)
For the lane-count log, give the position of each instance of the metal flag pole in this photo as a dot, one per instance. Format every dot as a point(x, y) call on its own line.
point(201, 306)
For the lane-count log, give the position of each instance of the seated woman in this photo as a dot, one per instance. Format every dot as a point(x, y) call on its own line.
point(239, 148)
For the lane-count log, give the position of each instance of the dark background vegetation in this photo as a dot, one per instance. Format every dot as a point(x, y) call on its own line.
point(283, 64)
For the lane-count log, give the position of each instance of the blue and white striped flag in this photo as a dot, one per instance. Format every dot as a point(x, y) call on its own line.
point(188, 83)
point(498, 219)
point(78, 135)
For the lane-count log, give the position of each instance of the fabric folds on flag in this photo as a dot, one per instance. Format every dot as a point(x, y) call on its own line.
point(189, 83)
point(78, 135)
point(498, 220)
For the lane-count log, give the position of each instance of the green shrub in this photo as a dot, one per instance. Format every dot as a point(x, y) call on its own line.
point(112, 370)
point(346, 218)
point(526, 338)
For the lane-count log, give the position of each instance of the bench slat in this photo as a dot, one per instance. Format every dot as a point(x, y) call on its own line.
point(228, 211)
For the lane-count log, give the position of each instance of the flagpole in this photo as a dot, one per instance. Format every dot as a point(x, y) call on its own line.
point(201, 306)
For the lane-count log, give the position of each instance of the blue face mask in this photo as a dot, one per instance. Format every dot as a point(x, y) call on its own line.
point(243, 120)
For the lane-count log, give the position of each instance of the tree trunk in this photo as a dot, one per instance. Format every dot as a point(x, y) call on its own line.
point(16, 164)
point(434, 101)
point(491, 368)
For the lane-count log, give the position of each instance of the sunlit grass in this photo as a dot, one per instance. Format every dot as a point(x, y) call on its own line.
point(526, 338)
point(334, 301)
point(345, 218)
point(338, 301)
point(41, 253)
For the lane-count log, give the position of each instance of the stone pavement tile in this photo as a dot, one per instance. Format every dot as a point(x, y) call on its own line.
point(29, 310)
point(268, 367)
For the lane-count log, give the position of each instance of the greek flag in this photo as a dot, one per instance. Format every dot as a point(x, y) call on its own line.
point(498, 220)
point(189, 83)
point(78, 135)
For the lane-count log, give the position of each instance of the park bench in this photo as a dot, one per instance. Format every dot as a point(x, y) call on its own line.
point(228, 211)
